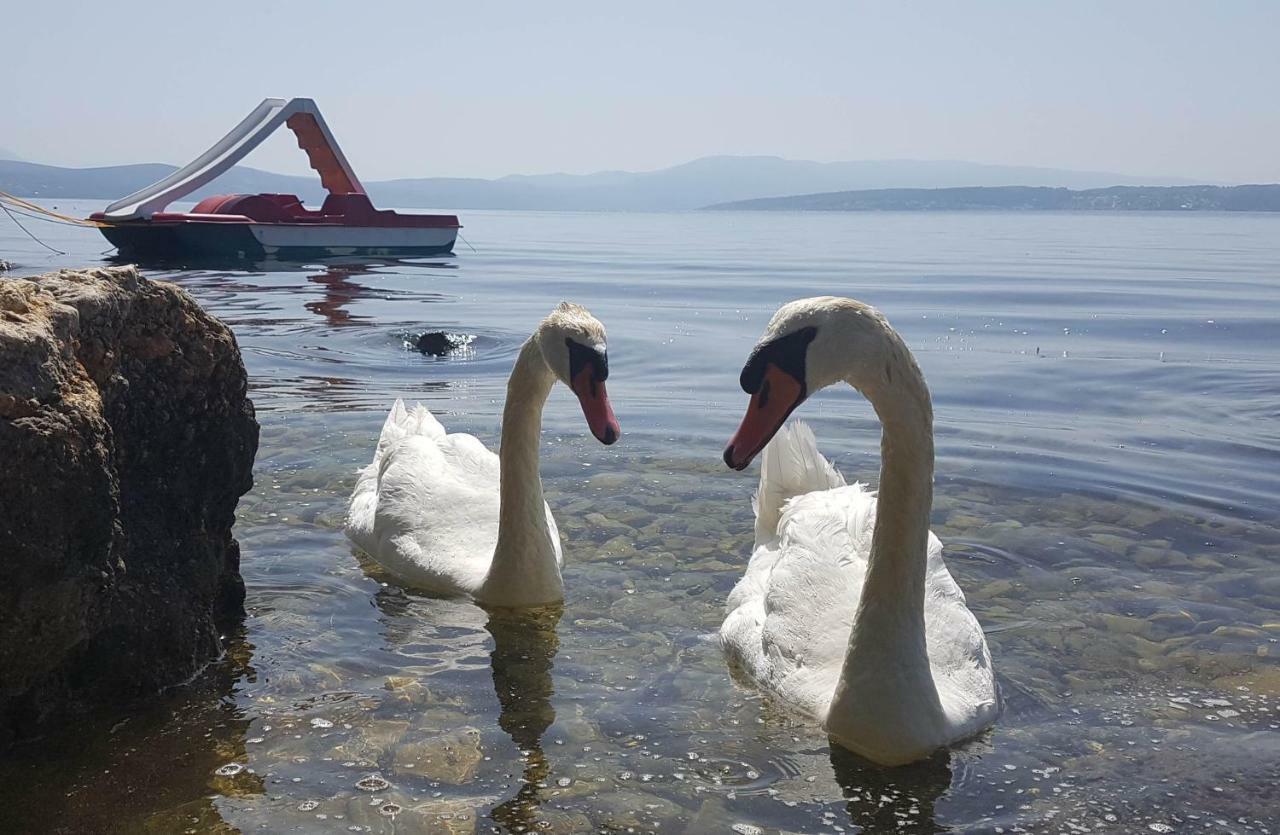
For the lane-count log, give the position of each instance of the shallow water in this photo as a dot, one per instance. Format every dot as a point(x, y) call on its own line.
point(1105, 388)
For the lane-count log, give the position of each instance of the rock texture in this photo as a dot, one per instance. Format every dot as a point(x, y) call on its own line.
point(126, 439)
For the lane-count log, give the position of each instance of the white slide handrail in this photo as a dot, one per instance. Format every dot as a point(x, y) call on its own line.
point(226, 152)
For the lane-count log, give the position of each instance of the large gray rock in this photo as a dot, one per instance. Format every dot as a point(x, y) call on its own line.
point(126, 439)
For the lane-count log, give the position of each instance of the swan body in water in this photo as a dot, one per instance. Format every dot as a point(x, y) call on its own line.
point(847, 612)
point(441, 512)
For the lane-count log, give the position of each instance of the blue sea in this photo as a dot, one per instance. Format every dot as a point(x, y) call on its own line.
point(1107, 398)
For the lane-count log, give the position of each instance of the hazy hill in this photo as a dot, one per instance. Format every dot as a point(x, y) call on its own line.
point(721, 179)
point(689, 186)
point(1250, 198)
point(5, 153)
point(28, 179)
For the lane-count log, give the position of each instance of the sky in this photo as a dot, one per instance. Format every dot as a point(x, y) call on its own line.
point(484, 89)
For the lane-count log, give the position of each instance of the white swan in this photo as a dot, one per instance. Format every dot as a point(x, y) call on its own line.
point(441, 512)
point(847, 611)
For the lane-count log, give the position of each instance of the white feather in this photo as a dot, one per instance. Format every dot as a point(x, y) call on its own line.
point(426, 508)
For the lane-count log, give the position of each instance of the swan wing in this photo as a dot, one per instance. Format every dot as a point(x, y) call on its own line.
point(426, 508)
point(791, 613)
point(554, 530)
point(958, 654)
point(402, 422)
point(790, 466)
point(363, 506)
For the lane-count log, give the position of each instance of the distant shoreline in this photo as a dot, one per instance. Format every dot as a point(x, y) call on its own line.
point(709, 184)
point(708, 181)
point(1246, 198)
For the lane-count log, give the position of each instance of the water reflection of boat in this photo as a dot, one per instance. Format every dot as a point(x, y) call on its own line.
point(189, 262)
point(254, 225)
point(339, 293)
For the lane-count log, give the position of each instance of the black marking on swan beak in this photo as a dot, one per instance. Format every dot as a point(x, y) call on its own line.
point(580, 356)
point(787, 352)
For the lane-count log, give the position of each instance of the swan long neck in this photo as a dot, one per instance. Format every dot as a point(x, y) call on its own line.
point(890, 614)
point(524, 560)
point(886, 696)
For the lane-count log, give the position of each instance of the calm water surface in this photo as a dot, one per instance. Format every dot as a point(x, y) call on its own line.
point(1107, 389)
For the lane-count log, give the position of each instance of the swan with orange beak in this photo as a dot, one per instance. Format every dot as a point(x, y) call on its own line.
point(440, 512)
point(847, 612)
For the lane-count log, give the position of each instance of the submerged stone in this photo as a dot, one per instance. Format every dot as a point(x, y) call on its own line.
point(451, 757)
point(393, 813)
point(371, 741)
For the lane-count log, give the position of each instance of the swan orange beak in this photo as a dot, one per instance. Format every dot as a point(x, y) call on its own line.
point(595, 405)
point(778, 396)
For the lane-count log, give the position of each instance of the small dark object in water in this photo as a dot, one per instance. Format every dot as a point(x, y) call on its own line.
point(437, 343)
point(5, 266)
point(442, 343)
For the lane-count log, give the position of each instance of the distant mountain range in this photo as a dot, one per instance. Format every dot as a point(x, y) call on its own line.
point(1250, 198)
point(693, 185)
point(29, 179)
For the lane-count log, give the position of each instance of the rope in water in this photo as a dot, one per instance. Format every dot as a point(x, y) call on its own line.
point(17, 222)
point(14, 202)
point(16, 207)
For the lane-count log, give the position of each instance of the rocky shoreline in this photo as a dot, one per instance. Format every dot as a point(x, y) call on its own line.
point(127, 438)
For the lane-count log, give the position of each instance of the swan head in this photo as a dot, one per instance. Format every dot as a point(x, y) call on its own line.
point(808, 345)
point(573, 345)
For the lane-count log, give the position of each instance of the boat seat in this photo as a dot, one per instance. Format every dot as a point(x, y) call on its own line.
point(263, 208)
point(353, 207)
